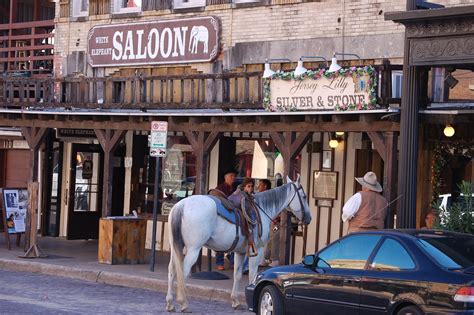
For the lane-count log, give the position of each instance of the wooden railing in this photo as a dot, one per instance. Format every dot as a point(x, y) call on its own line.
point(230, 90)
point(28, 47)
point(225, 91)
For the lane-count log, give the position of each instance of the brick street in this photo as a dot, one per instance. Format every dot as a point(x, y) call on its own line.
point(28, 293)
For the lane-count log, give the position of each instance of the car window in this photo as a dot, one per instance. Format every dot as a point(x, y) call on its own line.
point(392, 256)
point(349, 253)
point(450, 252)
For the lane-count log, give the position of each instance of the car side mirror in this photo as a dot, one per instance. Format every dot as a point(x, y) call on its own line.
point(309, 260)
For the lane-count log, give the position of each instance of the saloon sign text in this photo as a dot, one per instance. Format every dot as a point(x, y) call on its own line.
point(160, 42)
point(334, 92)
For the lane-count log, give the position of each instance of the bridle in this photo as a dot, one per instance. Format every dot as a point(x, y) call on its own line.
point(299, 199)
point(291, 200)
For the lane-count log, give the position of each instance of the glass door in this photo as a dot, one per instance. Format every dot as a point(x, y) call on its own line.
point(85, 191)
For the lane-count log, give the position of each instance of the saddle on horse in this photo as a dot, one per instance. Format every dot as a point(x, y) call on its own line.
point(247, 217)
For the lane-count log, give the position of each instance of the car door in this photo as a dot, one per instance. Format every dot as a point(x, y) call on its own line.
point(391, 273)
point(332, 286)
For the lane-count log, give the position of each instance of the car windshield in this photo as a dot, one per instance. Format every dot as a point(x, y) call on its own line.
point(452, 252)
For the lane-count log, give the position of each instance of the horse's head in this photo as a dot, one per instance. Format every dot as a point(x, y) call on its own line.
point(299, 203)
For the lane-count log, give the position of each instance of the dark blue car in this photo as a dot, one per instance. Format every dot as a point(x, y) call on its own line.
point(379, 272)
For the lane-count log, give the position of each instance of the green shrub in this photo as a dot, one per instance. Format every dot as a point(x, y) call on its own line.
point(458, 216)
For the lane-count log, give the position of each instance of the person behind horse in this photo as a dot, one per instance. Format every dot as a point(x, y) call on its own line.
point(225, 189)
point(367, 209)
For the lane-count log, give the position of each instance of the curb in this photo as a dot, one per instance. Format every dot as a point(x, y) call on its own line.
point(118, 279)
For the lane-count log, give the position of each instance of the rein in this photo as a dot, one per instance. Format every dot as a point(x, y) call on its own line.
point(274, 221)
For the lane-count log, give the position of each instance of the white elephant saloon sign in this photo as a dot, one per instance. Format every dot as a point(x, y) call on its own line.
point(155, 42)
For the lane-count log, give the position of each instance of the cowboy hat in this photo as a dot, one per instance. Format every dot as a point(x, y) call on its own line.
point(369, 181)
point(229, 170)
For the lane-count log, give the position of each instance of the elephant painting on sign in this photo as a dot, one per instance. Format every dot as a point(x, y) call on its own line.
point(198, 34)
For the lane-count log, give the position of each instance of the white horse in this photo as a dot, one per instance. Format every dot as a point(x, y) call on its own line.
point(194, 223)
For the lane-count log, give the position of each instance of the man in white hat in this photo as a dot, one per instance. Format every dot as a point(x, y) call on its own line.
point(366, 210)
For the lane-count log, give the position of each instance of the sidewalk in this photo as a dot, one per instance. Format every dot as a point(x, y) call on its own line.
point(77, 259)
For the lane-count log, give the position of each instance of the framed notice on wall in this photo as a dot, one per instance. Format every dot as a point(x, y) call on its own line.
point(15, 205)
point(325, 185)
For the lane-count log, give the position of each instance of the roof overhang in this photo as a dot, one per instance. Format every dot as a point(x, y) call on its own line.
point(412, 16)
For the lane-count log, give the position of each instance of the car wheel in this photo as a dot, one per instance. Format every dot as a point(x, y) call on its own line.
point(270, 301)
point(410, 310)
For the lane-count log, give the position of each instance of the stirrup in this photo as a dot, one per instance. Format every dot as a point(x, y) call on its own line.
point(251, 251)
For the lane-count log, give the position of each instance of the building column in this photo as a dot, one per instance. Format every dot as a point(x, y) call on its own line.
point(290, 145)
point(109, 140)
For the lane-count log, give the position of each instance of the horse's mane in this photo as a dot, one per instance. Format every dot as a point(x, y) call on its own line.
point(272, 199)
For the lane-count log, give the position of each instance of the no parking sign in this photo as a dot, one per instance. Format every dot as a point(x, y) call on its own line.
point(159, 135)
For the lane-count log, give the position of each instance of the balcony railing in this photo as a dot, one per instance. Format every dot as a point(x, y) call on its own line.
point(195, 91)
point(225, 91)
point(27, 47)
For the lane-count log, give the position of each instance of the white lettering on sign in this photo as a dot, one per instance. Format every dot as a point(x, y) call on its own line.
point(102, 40)
point(167, 43)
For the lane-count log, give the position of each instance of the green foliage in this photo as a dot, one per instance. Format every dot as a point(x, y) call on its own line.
point(458, 216)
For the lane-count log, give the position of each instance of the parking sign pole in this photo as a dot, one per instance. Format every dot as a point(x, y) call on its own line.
point(159, 133)
point(155, 212)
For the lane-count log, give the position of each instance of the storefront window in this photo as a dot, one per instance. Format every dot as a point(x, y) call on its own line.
point(177, 175)
point(260, 159)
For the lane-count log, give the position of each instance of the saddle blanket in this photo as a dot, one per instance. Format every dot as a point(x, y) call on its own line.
point(222, 211)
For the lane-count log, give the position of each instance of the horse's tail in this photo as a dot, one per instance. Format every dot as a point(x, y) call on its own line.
point(177, 242)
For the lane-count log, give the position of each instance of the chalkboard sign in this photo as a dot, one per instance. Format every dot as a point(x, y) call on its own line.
point(14, 210)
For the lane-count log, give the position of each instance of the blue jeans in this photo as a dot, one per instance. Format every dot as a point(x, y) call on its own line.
point(220, 258)
point(246, 263)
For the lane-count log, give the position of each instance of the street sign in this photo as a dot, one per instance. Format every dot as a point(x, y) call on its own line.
point(159, 135)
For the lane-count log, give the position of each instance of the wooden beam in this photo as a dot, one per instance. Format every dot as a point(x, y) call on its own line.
point(33, 136)
point(108, 139)
point(390, 174)
point(202, 144)
point(263, 124)
point(298, 144)
point(377, 139)
point(33, 251)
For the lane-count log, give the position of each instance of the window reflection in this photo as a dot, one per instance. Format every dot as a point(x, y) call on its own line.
point(349, 253)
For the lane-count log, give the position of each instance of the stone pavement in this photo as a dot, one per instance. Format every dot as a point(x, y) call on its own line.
point(77, 259)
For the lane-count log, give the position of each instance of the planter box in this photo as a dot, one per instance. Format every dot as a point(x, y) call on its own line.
point(122, 240)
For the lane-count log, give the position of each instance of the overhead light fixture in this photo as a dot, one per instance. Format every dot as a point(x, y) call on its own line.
point(339, 133)
point(334, 66)
point(333, 143)
point(449, 130)
point(300, 70)
point(268, 72)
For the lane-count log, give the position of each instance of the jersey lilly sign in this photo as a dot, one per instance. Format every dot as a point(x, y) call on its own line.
point(156, 42)
point(347, 89)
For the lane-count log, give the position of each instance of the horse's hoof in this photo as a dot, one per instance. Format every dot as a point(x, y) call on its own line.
point(185, 310)
point(170, 307)
point(235, 305)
